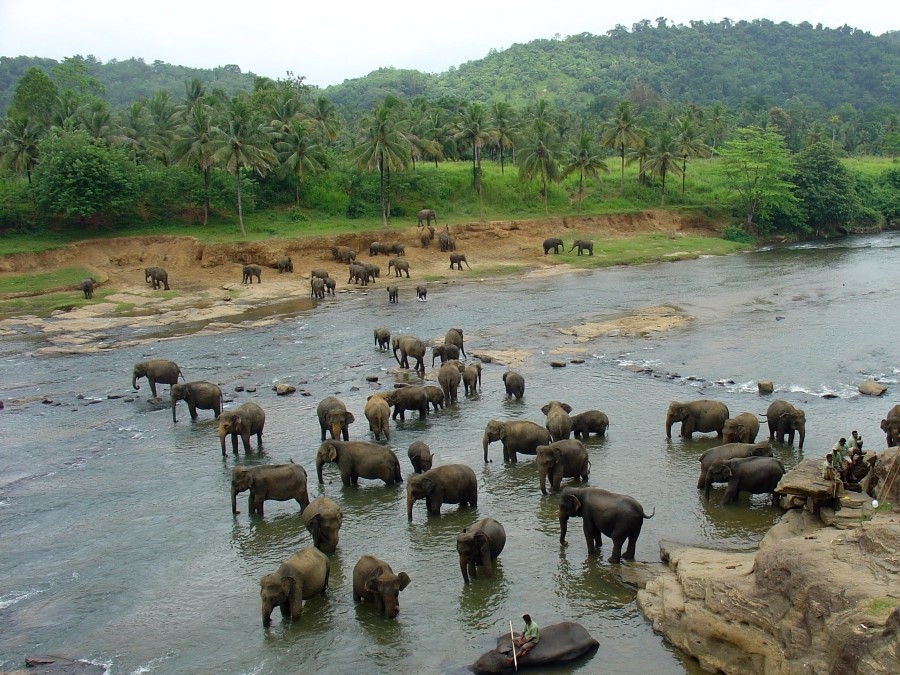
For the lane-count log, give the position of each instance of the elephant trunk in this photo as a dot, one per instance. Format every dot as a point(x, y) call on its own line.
point(319, 463)
point(802, 432)
point(669, 422)
point(410, 500)
point(485, 441)
point(174, 401)
point(398, 358)
point(543, 476)
point(222, 435)
point(464, 568)
point(267, 614)
point(134, 384)
point(234, 492)
point(563, 526)
point(336, 431)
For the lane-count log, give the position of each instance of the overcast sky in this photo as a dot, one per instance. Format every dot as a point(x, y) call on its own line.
point(328, 42)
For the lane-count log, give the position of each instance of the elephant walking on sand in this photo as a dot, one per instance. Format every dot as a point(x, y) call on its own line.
point(278, 482)
point(374, 580)
point(479, 545)
point(155, 370)
point(457, 260)
point(157, 277)
point(785, 419)
point(517, 436)
point(448, 484)
point(246, 420)
point(302, 576)
point(619, 517)
point(250, 271)
point(702, 416)
point(199, 395)
point(359, 459)
point(323, 518)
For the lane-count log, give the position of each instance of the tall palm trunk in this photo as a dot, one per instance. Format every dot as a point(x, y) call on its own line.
point(240, 208)
point(683, 172)
point(381, 185)
point(623, 167)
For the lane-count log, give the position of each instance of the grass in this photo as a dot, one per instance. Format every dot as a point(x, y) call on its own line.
point(651, 247)
point(44, 305)
point(881, 606)
point(41, 282)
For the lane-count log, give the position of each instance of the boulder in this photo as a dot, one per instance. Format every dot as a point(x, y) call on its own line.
point(872, 388)
point(284, 389)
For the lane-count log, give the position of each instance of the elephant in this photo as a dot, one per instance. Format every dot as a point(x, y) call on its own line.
point(374, 580)
point(244, 421)
point(359, 459)
point(330, 285)
point(472, 378)
point(785, 419)
point(373, 271)
point(583, 245)
point(517, 436)
point(445, 352)
point(320, 273)
point(421, 293)
point(420, 456)
point(203, 395)
point(334, 416)
point(250, 271)
point(480, 544)
point(317, 288)
point(741, 428)
point(87, 287)
point(279, 482)
point(458, 259)
point(728, 451)
point(301, 577)
point(426, 217)
point(378, 412)
point(446, 242)
point(358, 275)
point(435, 396)
point(560, 642)
point(558, 423)
point(448, 484)
point(343, 254)
point(454, 336)
point(393, 293)
point(400, 266)
point(449, 378)
point(408, 398)
point(553, 243)
point(284, 264)
point(703, 416)
point(376, 248)
point(426, 236)
point(398, 249)
point(157, 276)
point(890, 425)
point(756, 475)
point(589, 422)
point(323, 518)
point(562, 459)
point(156, 370)
point(619, 517)
point(515, 384)
point(408, 346)
point(382, 338)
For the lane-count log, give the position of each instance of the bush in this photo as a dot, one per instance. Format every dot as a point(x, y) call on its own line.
point(737, 234)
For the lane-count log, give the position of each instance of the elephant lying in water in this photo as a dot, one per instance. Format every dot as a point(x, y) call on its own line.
point(560, 642)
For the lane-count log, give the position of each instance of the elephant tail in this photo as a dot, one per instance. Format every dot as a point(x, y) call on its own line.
point(644, 515)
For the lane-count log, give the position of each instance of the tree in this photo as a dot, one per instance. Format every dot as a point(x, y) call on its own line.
point(504, 127)
point(19, 138)
point(241, 143)
point(299, 153)
point(324, 116)
point(688, 143)
point(756, 165)
point(474, 129)
point(194, 145)
point(585, 162)
point(34, 98)
point(716, 124)
point(538, 157)
point(825, 189)
point(621, 132)
point(662, 159)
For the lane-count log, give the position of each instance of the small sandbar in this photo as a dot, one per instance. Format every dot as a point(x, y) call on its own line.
point(637, 323)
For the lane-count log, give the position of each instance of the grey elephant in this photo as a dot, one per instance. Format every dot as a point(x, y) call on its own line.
point(554, 243)
point(278, 482)
point(407, 398)
point(378, 412)
point(382, 338)
point(87, 287)
point(323, 519)
point(702, 416)
point(517, 436)
point(447, 484)
point(583, 245)
point(435, 396)
point(426, 236)
point(250, 271)
point(422, 292)
point(317, 288)
point(377, 248)
point(890, 425)
point(449, 379)
point(720, 453)
point(393, 294)
point(785, 419)
point(457, 259)
point(471, 377)
point(514, 383)
point(334, 417)
point(445, 352)
point(446, 242)
point(408, 346)
point(301, 577)
point(742, 428)
point(358, 275)
point(589, 422)
point(400, 266)
point(160, 371)
point(319, 272)
point(284, 264)
point(562, 459)
point(756, 475)
point(330, 285)
point(426, 217)
point(359, 459)
point(398, 249)
point(558, 423)
point(246, 420)
point(619, 517)
point(157, 277)
point(478, 546)
point(560, 643)
point(343, 254)
point(198, 395)
point(454, 336)
point(374, 580)
point(420, 456)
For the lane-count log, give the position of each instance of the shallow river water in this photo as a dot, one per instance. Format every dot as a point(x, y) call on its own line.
point(117, 540)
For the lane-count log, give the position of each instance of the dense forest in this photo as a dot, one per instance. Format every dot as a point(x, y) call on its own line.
point(691, 111)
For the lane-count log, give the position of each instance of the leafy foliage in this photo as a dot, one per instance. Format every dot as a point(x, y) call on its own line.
point(825, 189)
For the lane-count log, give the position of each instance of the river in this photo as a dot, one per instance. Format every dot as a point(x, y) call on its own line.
point(118, 544)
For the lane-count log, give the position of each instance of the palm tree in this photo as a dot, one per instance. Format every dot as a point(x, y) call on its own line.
point(716, 124)
point(325, 117)
point(382, 148)
point(504, 127)
point(283, 111)
point(193, 146)
point(164, 123)
point(539, 158)
point(133, 129)
point(621, 132)
point(689, 143)
point(96, 120)
point(299, 153)
point(662, 159)
point(474, 129)
point(242, 143)
point(585, 162)
point(194, 93)
point(19, 137)
point(834, 121)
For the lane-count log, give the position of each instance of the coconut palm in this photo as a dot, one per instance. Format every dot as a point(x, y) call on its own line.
point(164, 122)
point(133, 130)
point(300, 153)
point(474, 128)
point(621, 132)
point(538, 157)
point(193, 146)
point(504, 127)
point(689, 143)
point(662, 159)
point(716, 124)
point(325, 117)
point(19, 138)
point(585, 162)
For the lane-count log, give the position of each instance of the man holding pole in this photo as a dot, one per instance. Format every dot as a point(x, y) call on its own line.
point(528, 640)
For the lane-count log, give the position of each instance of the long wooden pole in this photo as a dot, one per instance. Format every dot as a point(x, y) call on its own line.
point(513, 638)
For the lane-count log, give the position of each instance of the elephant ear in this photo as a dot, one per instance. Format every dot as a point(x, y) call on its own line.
point(331, 454)
point(287, 585)
point(545, 409)
point(557, 455)
point(350, 418)
point(576, 504)
point(566, 407)
point(371, 584)
point(314, 523)
point(404, 580)
point(481, 540)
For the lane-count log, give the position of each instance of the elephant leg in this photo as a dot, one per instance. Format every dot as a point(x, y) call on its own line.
point(251, 503)
point(259, 500)
point(193, 410)
point(285, 608)
point(245, 437)
point(259, 446)
point(630, 549)
point(153, 387)
point(617, 551)
point(588, 528)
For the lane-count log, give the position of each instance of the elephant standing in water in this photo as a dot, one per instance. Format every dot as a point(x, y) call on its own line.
point(702, 416)
point(244, 421)
point(408, 398)
point(374, 580)
point(517, 436)
point(408, 346)
point(589, 422)
point(720, 453)
point(420, 456)
point(202, 395)
point(480, 544)
point(558, 423)
point(156, 276)
point(448, 484)
point(785, 419)
point(756, 475)
point(378, 412)
point(449, 378)
point(334, 417)
point(619, 517)
point(278, 482)
point(454, 336)
point(302, 576)
point(514, 383)
point(562, 459)
point(359, 459)
point(156, 370)
point(741, 428)
point(323, 518)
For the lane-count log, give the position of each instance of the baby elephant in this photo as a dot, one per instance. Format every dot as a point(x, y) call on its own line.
point(374, 580)
point(245, 420)
point(422, 293)
point(583, 245)
point(250, 271)
point(480, 544)
point(284, 265)
point(514, 383)
point(302, 576)
point(393, 291)
point(279, 482)
point(562, 459)
point(458, 259)
point(323, 518)
point(156, 276)
point(589, 422)
point(420, 456)
point(87, 287)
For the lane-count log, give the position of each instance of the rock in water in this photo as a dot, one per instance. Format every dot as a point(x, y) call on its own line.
point(765, 386)
point(872, 388)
